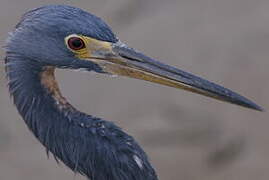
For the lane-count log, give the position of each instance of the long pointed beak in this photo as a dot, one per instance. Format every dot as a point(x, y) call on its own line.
point(122, 60)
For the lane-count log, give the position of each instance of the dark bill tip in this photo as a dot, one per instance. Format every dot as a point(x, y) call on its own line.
point(234, 98)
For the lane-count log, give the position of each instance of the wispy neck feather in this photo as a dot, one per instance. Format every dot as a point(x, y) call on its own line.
point(36, 96)
point(46, 117)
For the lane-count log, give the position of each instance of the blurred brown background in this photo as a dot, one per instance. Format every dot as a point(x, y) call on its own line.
point(186, 136)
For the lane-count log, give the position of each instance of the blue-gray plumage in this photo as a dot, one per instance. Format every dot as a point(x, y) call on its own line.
point(59, 36)
point(88, 145)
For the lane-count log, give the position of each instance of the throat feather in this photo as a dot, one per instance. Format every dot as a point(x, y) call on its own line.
point(48, 80)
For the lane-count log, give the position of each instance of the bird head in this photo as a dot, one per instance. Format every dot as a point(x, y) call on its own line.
point(68, 37)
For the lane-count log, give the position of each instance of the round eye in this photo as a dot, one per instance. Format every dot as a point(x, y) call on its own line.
point(76, 43)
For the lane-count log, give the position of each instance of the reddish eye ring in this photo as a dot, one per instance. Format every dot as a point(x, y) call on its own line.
point(76, 43)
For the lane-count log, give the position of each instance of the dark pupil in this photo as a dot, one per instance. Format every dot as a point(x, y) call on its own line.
point(76, 43)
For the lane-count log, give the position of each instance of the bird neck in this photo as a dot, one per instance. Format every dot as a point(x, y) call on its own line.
point(37, 97)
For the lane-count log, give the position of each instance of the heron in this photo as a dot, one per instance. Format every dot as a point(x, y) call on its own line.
point(67, 37)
